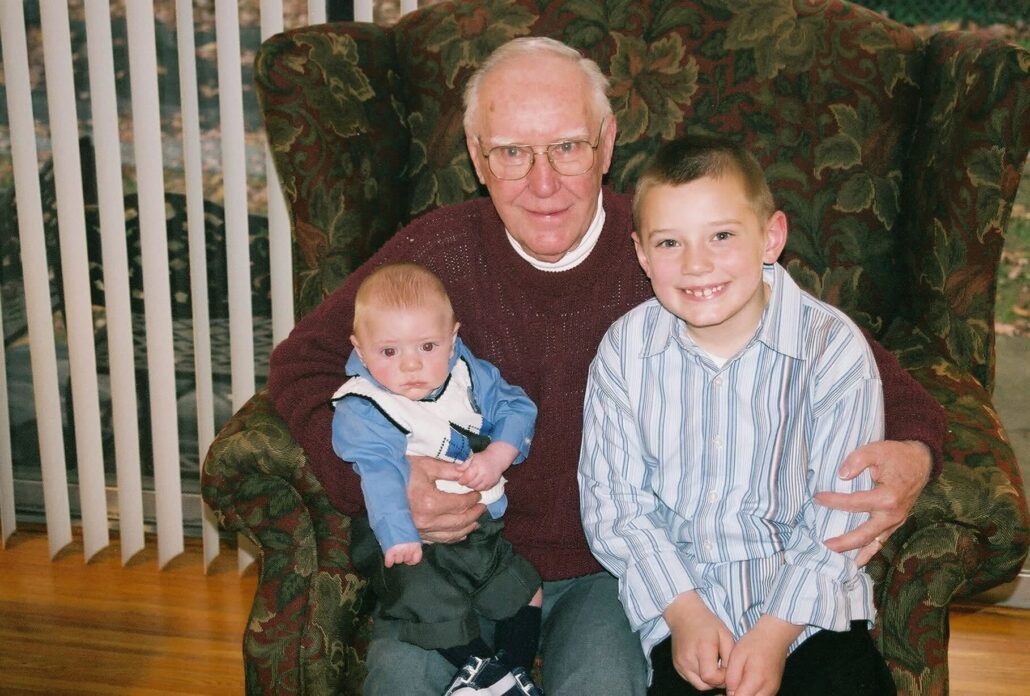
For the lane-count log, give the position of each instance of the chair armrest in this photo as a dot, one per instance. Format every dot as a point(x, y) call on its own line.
point(968, 531)
point(970, 142)
point(308, 631)
point(343, 171)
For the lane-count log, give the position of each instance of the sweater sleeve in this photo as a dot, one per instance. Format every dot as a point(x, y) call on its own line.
point(910, 412)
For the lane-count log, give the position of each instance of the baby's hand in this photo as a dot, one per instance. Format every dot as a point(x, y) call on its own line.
point(409, 553)
point(483, 470)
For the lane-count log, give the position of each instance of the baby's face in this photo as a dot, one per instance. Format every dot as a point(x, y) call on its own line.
point(408, 351)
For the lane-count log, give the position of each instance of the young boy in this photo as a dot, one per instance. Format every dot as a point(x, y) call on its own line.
point(712, 414)
point(417, 389)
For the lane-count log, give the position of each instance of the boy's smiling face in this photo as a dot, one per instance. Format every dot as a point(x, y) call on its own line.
point(703, 246)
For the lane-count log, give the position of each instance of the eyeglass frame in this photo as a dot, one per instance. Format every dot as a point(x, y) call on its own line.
point(547, 151)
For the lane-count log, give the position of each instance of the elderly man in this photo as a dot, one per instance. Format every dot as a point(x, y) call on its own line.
point(537, 272)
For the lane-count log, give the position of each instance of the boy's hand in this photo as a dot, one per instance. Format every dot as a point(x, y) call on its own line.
point(409, 553)
point(756, 666)
point(441, 518)
point(701, 643)
point(483, 470)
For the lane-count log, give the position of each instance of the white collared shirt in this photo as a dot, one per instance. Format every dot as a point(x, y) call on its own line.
point(699, 477)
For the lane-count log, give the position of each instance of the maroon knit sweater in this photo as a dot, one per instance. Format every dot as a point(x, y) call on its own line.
point(541, 331)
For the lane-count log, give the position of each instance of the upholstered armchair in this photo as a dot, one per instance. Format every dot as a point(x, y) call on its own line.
point(895, 158)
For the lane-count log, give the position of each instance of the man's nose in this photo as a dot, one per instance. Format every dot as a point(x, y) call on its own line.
point(542, 178)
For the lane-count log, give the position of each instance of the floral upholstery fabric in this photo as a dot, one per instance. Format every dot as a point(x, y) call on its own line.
point(896, 160)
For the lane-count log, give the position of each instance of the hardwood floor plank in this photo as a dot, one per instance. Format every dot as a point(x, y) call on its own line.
point(68, 627)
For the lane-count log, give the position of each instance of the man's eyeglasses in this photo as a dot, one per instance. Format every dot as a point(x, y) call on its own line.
point(568, 157)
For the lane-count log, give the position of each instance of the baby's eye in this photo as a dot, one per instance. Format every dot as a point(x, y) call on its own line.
point(428, 347)
point(389, 352)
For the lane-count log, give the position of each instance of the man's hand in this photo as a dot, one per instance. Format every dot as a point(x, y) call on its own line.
point(408, 553)
point(439, 517)
point(756, 666)
point(900, 471)
point(701, 643)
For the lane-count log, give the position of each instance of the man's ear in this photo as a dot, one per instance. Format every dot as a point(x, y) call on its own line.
point(611, 128)
point(476, 155)
point(775, 236)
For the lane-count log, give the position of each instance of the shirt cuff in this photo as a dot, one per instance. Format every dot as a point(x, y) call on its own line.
point(394, 528)
point(652, 584)
point(805, 597)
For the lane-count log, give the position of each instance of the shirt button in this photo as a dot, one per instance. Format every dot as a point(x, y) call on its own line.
point(717, 441)
point(713, 496)
point(707, 546)
point(718, 381)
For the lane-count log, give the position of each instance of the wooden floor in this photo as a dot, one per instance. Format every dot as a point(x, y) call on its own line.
point(67, 627)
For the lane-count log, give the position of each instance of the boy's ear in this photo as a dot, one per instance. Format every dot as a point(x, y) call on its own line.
point(454, 338)
point(357, 348)
point(638, 246)
point(775, 236)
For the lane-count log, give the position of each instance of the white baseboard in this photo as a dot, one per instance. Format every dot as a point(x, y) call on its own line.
point(1012, 594)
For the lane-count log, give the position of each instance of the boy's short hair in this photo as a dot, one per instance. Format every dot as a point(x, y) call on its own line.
point(402, 285)
point(693, 157)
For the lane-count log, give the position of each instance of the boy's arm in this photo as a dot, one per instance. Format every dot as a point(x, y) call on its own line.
point(618, 509)
point(376, 447)
point(900, 465)
point(817, 586)
point(506, 406)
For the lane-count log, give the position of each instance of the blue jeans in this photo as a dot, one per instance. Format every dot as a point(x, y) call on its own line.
point(586, 644)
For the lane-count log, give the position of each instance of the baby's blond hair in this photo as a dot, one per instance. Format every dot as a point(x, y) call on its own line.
point(402, 285)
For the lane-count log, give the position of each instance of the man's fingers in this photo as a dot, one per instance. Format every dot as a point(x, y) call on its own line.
point(434, 468)
point(860, 501)
point(448, 535)
point(874, 531)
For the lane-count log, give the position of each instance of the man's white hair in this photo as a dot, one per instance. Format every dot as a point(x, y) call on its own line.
point(535, 45)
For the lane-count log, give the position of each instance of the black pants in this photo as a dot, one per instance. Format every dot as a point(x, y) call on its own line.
point(829, 662)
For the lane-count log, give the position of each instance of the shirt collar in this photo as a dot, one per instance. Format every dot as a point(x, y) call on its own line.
point(575, 256)
point(778, 328)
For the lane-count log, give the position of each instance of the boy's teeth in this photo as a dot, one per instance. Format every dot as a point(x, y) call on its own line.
point(707, 292)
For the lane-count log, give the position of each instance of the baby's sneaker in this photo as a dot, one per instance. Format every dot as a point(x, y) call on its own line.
point(482, 677)
point(524, 686)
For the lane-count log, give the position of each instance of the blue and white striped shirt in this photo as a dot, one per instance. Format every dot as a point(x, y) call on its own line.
point(695, 477)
